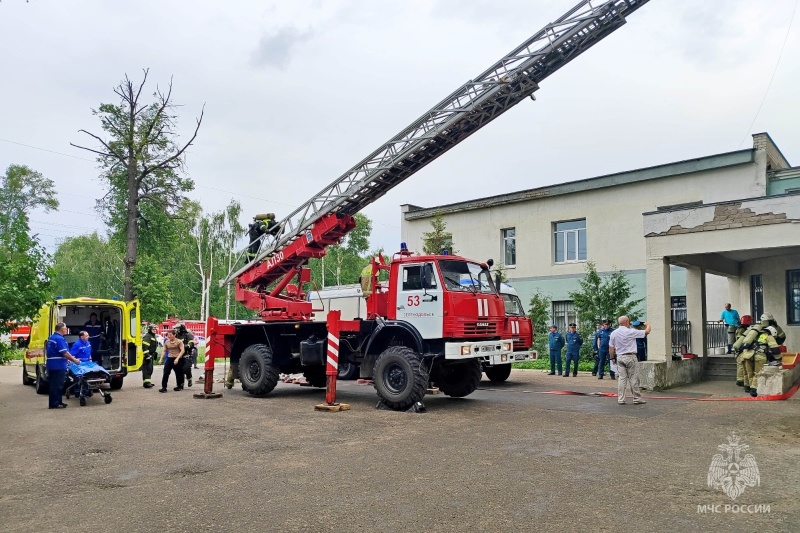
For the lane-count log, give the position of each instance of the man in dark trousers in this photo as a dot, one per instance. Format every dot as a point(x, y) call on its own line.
point(149, 347)
point(574, 343)
point(641, 343)
point(58, 355)
point(187, 337)
point(602, 349)
point(555, 342)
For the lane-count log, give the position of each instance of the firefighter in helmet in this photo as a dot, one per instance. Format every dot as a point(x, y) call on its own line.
point(757, 354)
point(744, 324)
point(187, 337)
point(768, 320)
point(262, 224)
point(149, 346)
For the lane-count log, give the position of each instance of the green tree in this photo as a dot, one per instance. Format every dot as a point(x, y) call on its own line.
point(24, 264)
point(22, 190)
point(143, 165)
point(24, 274)
point(539, 313)
point(606, 297)
point(87, 265)
point(433, 242)
point(152, 286)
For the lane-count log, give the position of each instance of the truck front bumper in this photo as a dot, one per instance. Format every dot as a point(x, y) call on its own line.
point(514, 357)
point(478, 349)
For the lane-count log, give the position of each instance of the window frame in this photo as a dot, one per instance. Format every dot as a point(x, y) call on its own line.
point(505, 239)
point(792, 285)
point(757, 296)
point(565, 245)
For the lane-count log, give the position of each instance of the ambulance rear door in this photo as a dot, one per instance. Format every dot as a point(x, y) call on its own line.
point(132, 335)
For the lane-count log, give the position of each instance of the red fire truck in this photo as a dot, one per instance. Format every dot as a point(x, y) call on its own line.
point(437, 316)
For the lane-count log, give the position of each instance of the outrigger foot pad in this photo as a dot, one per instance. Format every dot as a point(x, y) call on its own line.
point(207, 396)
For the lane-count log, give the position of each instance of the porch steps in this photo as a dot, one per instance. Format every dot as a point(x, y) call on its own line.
point(721, 368)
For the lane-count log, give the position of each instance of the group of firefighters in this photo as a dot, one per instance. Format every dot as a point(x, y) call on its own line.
point(756, 345)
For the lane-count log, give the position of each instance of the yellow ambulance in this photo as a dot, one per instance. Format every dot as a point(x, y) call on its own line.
point(119, 346)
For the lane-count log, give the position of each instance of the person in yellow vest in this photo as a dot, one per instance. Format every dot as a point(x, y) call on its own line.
point(755, 356)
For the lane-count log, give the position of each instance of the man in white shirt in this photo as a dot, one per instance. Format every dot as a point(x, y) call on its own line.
point(622, 349)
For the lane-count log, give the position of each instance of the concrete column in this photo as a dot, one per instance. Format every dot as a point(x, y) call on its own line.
point(659, 342)
point(696, 307)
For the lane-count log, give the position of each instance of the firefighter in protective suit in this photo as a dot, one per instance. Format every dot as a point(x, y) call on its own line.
point(756, 355)
point(149, 346)
point(745, 323)
point(187, 337)
point(768, 320)
point(262, 224)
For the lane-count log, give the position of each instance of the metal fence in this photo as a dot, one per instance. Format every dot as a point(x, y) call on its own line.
point(681, 337)
point(716, 335)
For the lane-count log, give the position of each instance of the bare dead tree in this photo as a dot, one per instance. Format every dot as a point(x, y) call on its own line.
point(141, 159)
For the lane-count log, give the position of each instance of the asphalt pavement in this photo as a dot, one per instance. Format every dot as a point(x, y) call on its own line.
point(538, 452)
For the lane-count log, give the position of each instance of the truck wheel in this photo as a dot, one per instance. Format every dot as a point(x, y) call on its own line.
point(400, 377)
point(460, 379)
point(315, 376)
point(348, 370)
point(25, 379)
point(256, 372)
point(41, 385)
point(498, 373)
point(116, 383)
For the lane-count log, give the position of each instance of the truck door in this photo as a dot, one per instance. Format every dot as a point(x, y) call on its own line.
point(132, 335)
point(420, 299)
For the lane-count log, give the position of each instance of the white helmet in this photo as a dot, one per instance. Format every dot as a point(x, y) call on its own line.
point(772, 331)
point(767, 316)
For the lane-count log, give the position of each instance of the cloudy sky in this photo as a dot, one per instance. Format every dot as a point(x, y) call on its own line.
point(296, 92)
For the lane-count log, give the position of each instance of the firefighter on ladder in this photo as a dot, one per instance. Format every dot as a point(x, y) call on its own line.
point(262, 224)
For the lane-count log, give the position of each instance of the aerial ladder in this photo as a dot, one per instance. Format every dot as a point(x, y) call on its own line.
point(272, 284)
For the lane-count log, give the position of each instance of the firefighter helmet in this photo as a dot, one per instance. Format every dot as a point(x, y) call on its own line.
point(767, 316)
point(772, 331)
point(747, 320)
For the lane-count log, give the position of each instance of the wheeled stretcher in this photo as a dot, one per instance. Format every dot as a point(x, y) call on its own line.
point(85, 379)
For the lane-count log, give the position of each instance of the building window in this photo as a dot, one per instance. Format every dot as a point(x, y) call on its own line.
point(563, 314)
point(756, 297)
point(509, 247)
point(678, 308)
point(793, 297)
point(570, 241)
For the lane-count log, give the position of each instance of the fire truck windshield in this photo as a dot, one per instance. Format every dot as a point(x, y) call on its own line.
point(464, 276)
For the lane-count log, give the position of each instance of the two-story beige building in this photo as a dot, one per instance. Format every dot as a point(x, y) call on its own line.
point(545, 236)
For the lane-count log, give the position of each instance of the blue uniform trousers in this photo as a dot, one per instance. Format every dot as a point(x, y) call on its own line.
point(55, 380)
point(572, 357)
point(602, 361)
point(555, 361)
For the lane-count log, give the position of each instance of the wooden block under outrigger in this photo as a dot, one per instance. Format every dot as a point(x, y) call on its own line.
point(332, 408)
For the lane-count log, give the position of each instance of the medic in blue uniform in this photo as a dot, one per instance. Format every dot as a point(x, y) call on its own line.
point(58, 355)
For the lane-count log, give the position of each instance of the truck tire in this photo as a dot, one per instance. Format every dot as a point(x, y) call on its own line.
point(315, 376)
point(256, 371)
point(460, 379)
point(116, 383)
point(400, 377)
point(25, 379)
point(348, 370)
point(497, 373)
point(42, 387)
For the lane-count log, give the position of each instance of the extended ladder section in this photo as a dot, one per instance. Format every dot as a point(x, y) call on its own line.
point(472, 106)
